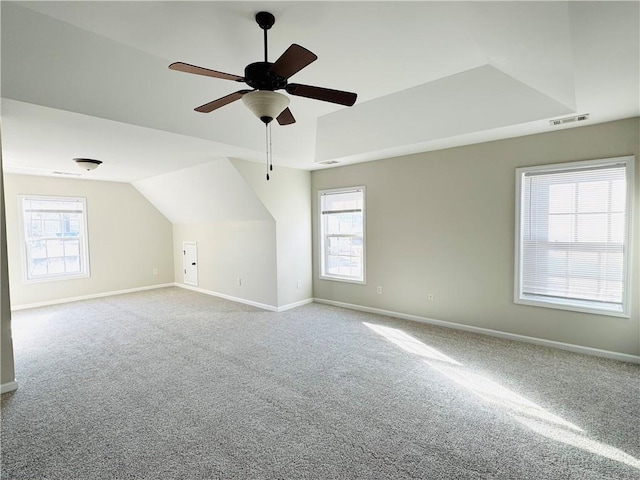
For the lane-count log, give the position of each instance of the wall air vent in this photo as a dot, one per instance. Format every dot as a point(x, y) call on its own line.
point(575, 118)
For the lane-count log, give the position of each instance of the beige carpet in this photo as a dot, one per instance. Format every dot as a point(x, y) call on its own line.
point(171, 384)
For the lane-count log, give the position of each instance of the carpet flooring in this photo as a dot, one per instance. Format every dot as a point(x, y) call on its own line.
point(172, 384)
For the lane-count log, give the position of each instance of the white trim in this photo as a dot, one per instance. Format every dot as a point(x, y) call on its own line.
point(333, 278)
point(264, 306)
point(25, 306)
point(566, 304)
point(290, 306)
point(8, 387)
point(84, 244)
point(534, 301)
point(321, 260)
point(270, 308)
point(623, 357)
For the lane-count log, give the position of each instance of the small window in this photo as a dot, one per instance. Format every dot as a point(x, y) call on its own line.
point(573, 235)
point(55, 238)
point(342, 234)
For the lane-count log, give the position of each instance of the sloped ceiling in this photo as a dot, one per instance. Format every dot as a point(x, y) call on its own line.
point(428, 74)
point(213, 192)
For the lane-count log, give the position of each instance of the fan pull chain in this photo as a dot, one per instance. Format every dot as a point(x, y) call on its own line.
point(266, 140)
point(270, 149)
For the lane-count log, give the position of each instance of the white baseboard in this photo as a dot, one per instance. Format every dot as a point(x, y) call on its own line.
point(8, 387)
point(24, 306)
point(624, 357)
point(295, 304)
point(271, 308)
point(264, 306)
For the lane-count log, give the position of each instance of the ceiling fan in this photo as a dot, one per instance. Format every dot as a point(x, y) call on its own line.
point(265, 78)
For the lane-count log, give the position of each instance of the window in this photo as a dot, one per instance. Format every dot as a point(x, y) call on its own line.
point(342, 234)
point(573, 235)
point(55, 237)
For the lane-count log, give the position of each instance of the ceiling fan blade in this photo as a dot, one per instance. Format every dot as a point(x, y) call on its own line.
point(294, 59)
point(187, 68)
point(286, 117)
point(221, 102)
point(324, 94)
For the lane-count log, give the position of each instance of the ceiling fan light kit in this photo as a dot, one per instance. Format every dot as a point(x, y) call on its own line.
point(87, 163)
point(266, 77)
point(265, 104)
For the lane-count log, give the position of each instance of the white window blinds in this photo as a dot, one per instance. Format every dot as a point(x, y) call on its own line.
point(574, 234)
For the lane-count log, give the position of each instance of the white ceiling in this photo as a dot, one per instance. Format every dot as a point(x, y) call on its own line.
point(90, 79)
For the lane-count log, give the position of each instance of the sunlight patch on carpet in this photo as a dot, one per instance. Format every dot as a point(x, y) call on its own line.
point(521, 409)
point(409, 343)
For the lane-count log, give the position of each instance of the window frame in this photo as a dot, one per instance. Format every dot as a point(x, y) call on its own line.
point(83, 243)
point(583, 306)
point(321, 243)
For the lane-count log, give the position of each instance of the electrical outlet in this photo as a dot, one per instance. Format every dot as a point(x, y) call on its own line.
point(430, 297)
point(379, 290)
point(299, 284)
point(155, 271)
point(239, 281)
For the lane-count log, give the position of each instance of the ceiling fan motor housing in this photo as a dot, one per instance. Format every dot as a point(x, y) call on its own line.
point(258, 76)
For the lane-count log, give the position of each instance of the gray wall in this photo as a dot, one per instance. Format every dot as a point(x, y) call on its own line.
point(264, 237)
point(128, 238)
point(7, 371)
point(287, 198)
point(212, 205)
point(228, 250)
point(443, 222)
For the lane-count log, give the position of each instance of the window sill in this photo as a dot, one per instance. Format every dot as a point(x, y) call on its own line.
point(342, 279)
point(55, 279)
point(577, 306)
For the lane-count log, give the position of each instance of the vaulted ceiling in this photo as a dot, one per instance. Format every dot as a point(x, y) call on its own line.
point(90, 79)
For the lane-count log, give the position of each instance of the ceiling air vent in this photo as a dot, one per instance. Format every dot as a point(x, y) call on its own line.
point(329, 162)
point(575, 118)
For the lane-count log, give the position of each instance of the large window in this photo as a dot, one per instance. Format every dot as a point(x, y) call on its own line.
point(342, 234)
point(573, 235)
point(55, 237)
